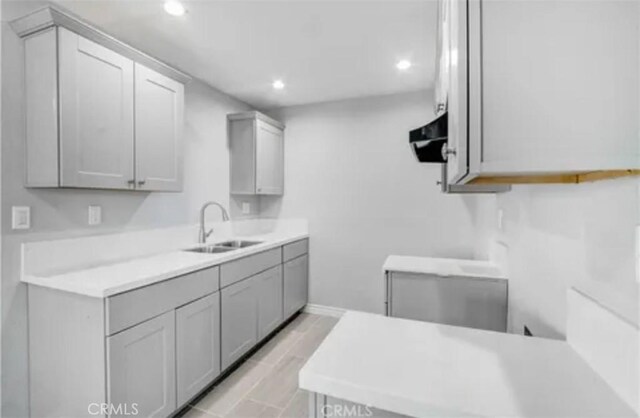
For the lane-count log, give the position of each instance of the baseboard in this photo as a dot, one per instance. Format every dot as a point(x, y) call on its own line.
point(324, 310)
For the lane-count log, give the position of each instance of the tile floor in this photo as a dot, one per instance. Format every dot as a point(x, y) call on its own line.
point(266, 384)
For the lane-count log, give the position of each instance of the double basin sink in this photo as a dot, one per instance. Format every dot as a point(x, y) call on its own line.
point(224, 247)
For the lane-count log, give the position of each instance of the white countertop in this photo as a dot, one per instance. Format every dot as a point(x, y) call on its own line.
point(424, 369)
point(444, 267)
point(109, 279)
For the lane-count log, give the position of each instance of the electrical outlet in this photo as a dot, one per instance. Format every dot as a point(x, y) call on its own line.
point(246, 208)
point(95, 215)
point(20, 217)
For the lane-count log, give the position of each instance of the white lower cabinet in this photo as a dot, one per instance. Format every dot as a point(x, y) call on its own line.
point(149, 351)
point(197, 346)
point(254, 307)
point(270, 313)
point(239, 318)
point(141, 368)
point(461, 301)
point(251, 310)
point(296, 280)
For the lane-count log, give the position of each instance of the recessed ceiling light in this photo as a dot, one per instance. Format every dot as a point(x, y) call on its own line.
point(278, 84)
point(403, 65)
point(174, 8)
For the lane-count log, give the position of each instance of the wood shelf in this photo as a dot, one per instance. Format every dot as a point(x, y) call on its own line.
point(567, 178)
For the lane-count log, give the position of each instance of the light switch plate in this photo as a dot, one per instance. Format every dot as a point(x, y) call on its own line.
point(246, 208)
point(95, 215)
point(20, 217)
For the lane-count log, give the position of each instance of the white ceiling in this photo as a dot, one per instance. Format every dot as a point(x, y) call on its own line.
point(322, 50)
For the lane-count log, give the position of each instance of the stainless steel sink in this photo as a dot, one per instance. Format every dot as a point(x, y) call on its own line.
point(224, 247)
point(238, 243)
point(211, 249)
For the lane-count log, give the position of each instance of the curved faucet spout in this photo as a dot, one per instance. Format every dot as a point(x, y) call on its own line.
point(203, 235)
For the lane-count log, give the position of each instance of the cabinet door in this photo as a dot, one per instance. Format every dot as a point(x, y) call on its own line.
point(239, 320)
point(461, 301)
point(96, 115)
point(269, 159)
point(197, 345)
point(455, 15)
point(559, 86)
point(159, 117)
point(141, 367)
point(296, 284)
point(269, 289)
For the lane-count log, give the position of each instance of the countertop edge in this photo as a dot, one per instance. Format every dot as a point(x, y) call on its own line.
point(390, 266)
point(324, 385)
point(217, 260)
point(314, 378)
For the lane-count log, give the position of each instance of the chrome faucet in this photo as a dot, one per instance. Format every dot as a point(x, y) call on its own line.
point(203, 235)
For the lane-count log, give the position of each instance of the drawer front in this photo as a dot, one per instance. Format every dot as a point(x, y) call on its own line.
point(295, 249)
point(461, 301)
point(130, 308)
point(237, 270)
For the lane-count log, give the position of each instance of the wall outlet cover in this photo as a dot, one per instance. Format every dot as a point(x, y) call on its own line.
point(246, 208)
point(20, 217)
point(95, 215)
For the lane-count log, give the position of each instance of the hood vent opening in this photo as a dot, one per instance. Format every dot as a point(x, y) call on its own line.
point(429, 143)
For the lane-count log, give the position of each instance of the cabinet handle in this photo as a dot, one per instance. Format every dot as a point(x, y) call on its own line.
point(446, 152)
point(131, 182)
point(141, 182)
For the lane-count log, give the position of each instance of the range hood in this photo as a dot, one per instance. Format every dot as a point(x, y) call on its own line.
point(429, 143)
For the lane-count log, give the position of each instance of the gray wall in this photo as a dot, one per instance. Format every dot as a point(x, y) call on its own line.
point(350, 171)
point(58, 213)
point(556, 236)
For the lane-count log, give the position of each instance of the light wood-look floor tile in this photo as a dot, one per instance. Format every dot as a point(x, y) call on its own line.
point(266, 385)
point(326, 322)
point(196, 412)
point(273, 351)
point(281, 383)
point(309, 342)
point(252, 409)
point(303, 322)
point(298, 406)
point(224, 397)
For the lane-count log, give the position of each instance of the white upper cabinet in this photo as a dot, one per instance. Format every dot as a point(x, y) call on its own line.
point(99, 114)
point(455, 24)
point(256, 143)
point(269, 158)
point(542, 90)
point(159, 117)
point(96, 114)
